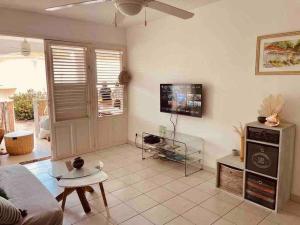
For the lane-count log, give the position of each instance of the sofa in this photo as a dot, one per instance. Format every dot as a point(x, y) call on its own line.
point(26, 192)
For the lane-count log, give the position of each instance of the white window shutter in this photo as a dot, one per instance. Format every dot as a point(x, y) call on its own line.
point(110, 92)
point(69, 71)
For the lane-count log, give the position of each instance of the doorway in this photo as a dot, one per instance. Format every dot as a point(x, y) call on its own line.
point(23, 101)
point(70, 93)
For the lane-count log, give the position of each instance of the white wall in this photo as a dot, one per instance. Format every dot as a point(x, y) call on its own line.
point(14, 22)
point(216, 48)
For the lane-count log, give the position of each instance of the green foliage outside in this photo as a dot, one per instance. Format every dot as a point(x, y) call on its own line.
point(23, 103)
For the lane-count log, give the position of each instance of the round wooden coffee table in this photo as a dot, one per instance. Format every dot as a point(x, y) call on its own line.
point(19, 142)
point(82, 185)
point(78, 180)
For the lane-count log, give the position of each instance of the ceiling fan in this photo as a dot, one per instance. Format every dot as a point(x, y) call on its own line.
point(132, 7)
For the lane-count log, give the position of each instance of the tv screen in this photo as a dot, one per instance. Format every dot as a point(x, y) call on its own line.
point(184, 99)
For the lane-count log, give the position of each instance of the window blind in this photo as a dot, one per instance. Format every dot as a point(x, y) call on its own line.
point(69, 82)
point(110, 92)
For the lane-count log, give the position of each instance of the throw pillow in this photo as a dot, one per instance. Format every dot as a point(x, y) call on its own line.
point(3, 194)
point(9, 214)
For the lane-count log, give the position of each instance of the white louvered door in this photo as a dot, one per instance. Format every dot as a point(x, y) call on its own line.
point(69, 96)
point(111, 98)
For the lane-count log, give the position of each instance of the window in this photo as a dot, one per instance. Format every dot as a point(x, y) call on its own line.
point(110, 92)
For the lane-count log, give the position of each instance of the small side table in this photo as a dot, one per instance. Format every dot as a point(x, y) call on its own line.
point(79, 181)
point(230, 174)
point(82, 185)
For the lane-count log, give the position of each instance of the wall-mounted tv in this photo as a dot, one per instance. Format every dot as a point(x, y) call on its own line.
point(184, 99)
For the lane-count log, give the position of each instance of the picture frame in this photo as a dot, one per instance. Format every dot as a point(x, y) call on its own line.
point(278, 54)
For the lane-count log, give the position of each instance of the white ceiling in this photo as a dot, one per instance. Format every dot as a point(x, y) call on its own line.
point(100, 13)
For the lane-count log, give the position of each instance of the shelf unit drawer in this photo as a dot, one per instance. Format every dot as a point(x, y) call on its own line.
point(231, 179)
point(261, 190)
point(262, 159)
point(264, 135)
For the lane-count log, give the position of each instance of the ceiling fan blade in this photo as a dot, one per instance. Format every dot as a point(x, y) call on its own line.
point(165, 8)
point(75, 4)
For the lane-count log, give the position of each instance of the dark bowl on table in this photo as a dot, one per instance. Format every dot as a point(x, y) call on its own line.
point(262, 119)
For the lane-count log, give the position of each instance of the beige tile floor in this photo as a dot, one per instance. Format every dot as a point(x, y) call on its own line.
point(155, 192)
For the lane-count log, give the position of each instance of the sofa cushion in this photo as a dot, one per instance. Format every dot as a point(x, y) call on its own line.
point(9, 214)
point(25, 191)
point(3, 194)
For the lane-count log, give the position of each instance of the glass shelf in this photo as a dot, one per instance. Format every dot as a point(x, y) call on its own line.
point(185, 149)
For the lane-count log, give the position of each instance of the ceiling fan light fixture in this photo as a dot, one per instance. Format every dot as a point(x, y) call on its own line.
point(129, 7)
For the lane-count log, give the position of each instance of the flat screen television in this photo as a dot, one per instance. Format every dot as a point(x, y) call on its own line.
point(184, 99)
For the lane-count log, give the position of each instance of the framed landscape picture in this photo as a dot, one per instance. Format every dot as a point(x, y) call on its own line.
point(278, 54)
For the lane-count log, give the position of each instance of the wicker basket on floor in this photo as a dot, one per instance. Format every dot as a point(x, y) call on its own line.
point(19, 142)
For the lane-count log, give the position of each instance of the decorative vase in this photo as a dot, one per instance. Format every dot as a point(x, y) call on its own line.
point(78, 163)
point(242, 151)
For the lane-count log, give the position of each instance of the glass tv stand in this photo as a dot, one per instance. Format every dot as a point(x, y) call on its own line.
point(183, 148)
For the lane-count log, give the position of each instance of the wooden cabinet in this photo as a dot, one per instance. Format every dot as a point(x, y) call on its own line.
point(265, 177)
point(269, 164)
